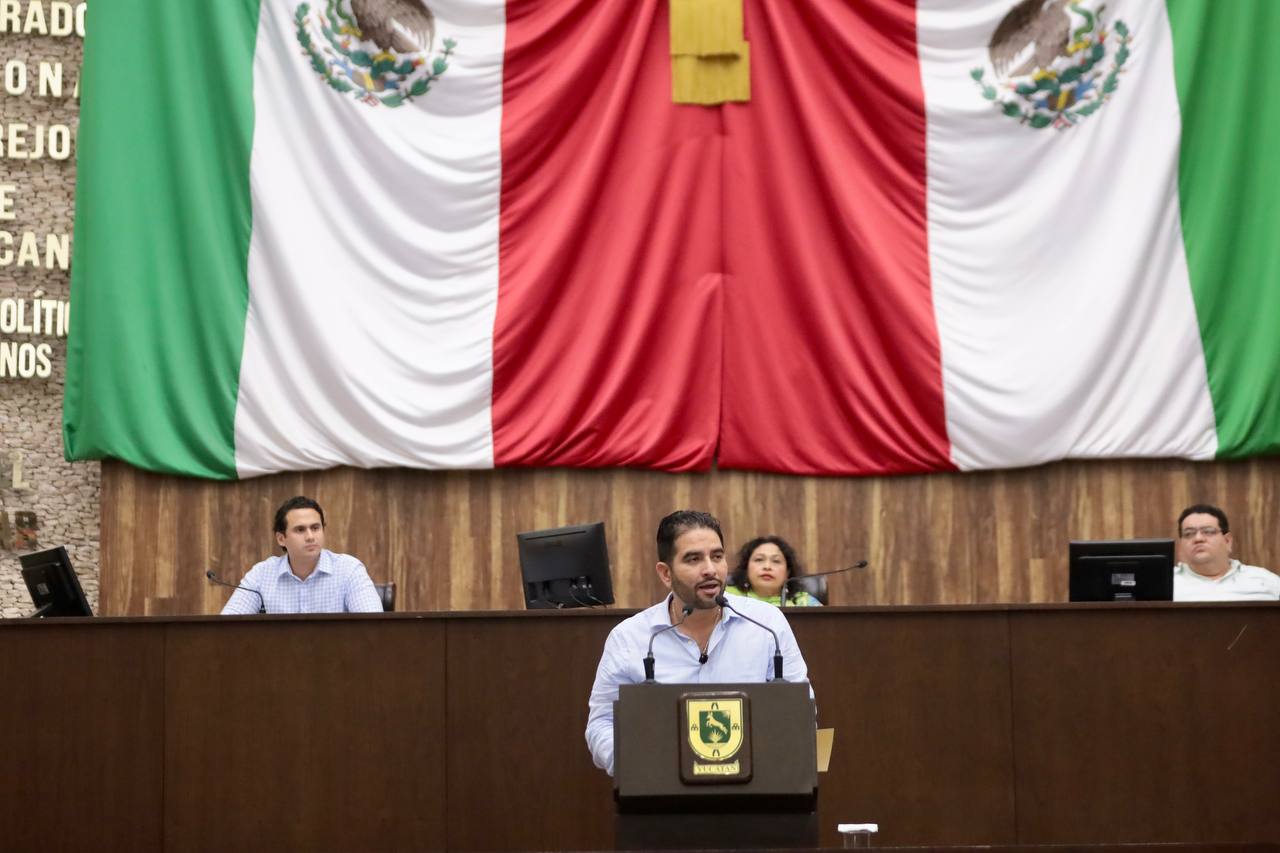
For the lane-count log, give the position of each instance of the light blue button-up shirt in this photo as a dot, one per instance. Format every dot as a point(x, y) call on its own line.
point(738, 652)
point(340, 583)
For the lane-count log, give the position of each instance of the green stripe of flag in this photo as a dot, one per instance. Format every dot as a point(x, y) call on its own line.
point(1226, 64)
point(159, 289)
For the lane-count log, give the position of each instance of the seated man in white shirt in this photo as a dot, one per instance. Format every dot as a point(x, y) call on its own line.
point(713, 644)
point(1207, 571)
point(306, 578)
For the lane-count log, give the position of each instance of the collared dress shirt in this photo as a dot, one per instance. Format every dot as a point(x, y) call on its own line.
point(738, 652)
point(1239, 583)
point(340, 583)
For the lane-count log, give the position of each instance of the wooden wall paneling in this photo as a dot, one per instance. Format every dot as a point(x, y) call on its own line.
point(418, 562)
point(905, 549)
point(1153, 724)
point(466, 583)
point(142, 545)
point(521, 506)
point(193, 529)
point(519, 773)
point(293, 735)
point(492, 529)
point(749, 503)
point(953, 559)
point(842, 526)
point(81, 767)
point(161, 536)
point(117, 568)
point(1042, 499)
point(1004, 573)
point(489, 588)
point(349, 497)
point(921, 710)
point(631, 547)
point(1256, 517)
point(448, 538)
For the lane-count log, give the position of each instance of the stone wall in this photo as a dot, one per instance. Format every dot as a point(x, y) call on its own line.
point(64, 497)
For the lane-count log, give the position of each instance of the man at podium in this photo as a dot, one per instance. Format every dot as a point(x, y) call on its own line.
point(695, 635)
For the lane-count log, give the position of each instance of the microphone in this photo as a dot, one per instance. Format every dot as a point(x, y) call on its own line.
point(723, 601)
point(648, 659)
point(782, 599)
point(262, 602)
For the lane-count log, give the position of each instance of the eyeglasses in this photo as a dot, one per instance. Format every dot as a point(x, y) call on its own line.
point(1206, 532)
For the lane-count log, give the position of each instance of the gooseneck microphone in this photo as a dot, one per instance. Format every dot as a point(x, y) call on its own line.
point(786, 584)
point(262, 602)
point(648, 659)
point(723, 601)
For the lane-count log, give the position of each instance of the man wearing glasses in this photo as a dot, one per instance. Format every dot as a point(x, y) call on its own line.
point(1207, 571)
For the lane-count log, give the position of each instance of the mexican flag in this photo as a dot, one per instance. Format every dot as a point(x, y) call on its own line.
point(945, 234)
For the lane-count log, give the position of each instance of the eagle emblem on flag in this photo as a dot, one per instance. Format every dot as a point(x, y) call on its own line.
point(1053, 63)
point(378, 51)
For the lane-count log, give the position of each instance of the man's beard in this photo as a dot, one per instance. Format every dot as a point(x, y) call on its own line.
point(689, 595)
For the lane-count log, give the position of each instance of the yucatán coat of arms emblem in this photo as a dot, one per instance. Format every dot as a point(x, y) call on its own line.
point(379, 51)
point(716, 745)
point(1054, 63)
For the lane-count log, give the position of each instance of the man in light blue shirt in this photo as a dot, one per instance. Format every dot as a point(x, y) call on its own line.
point(713, 645)
point(306, 578)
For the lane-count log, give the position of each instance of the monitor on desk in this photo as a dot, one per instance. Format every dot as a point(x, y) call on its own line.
point(1124, 570)
point(53, 585)
point(565, 567)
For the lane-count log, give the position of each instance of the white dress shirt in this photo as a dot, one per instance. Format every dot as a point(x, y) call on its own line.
point(738, 652)
point(1238, 583)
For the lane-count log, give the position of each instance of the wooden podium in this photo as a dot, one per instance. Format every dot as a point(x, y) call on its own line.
point(706, 766)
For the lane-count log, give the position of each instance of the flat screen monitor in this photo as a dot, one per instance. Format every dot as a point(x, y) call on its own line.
point(53, 585)
point(1125, 570)
point(565, 567)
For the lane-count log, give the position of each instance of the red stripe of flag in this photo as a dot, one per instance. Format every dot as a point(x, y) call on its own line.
point(622, 214)
point(608, 330)
point(832, 361)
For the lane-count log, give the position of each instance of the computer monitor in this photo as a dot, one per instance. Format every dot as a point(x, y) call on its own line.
point(565, 567)
point(1125, 570)
point(53, 585)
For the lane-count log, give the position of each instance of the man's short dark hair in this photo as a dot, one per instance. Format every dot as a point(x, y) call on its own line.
point(1205, 509)
point(296, 502)
point(679, 522)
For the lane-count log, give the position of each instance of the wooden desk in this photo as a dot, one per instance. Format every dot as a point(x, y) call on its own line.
point(954, 725)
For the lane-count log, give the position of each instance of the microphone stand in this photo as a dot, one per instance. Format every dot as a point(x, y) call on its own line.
point(648, 659)
point(262, 602)
point(723, 601)
point(861, 564)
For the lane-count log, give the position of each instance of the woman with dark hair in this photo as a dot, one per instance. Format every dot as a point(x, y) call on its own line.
point(765, 564)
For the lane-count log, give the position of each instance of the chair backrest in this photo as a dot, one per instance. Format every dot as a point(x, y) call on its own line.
point(815, 586)
point(387, 592)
